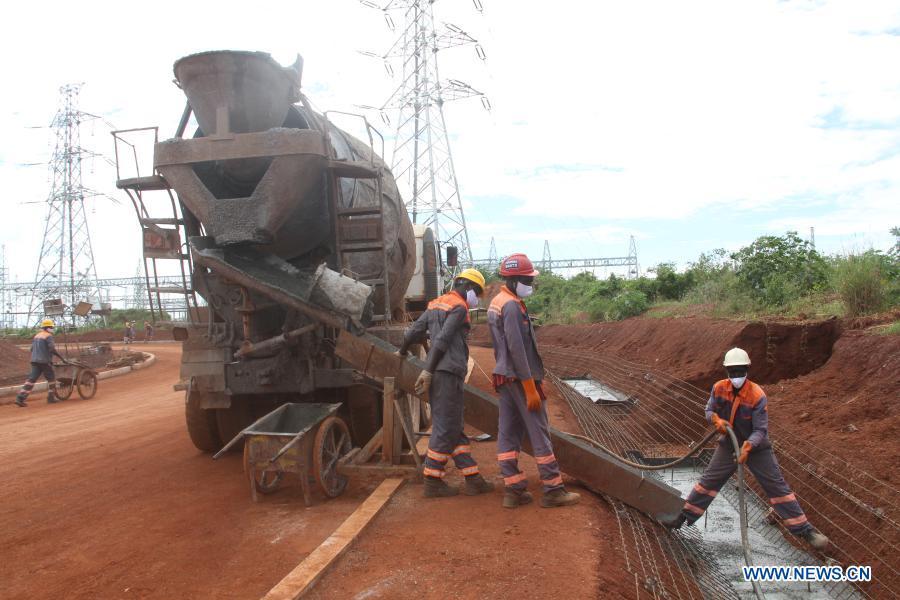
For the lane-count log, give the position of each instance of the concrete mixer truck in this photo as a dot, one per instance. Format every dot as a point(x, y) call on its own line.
point(295, 232)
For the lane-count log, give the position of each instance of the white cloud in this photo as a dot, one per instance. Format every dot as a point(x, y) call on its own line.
point(698, 104)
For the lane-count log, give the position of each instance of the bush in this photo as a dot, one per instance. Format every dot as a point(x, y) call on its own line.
point(776, 270)
point(628, 304)
point(862, 282)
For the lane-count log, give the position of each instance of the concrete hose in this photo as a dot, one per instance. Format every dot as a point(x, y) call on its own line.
point(745, 541)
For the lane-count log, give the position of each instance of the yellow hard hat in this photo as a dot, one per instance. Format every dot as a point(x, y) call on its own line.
point(736, 357)
point(473, 275)
point(47, 323)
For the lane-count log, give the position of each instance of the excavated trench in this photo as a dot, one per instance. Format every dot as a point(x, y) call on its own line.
point(718, 532)
point(710, 552)
point(833, 433)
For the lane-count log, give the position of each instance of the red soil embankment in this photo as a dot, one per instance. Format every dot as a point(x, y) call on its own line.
point(14, 362)
point(849, 405)
point(692, 347)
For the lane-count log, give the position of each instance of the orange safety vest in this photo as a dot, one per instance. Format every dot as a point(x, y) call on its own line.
point(448, 302)
point(502, 299)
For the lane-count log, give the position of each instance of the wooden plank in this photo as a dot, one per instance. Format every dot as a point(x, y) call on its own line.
point(379, 470)
point(307, 573)
point(369, 449)
point(387, 427)
point(407, 427)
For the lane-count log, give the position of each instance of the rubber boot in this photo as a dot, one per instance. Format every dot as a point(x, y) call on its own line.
point(559, 497)
point(51, 398)
point(476, 484)
point(514, 499)
point(437, 488)
point(20, 400)
point(815, 538)
point(674, 523)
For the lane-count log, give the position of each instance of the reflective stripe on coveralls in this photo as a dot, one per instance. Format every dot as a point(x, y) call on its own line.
point(765, 469)
point(517, 359)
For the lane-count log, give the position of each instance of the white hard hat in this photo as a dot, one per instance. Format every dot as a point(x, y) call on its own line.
point(736, 357)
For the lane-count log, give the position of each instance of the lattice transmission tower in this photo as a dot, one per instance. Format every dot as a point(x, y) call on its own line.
point(422, 160)
point(7, 319)
point(66, 268)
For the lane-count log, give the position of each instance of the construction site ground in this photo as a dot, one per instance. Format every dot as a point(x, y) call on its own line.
point(108, 498)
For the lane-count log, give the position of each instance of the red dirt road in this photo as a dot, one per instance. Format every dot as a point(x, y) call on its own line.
point(107, 498)
point(471, 547)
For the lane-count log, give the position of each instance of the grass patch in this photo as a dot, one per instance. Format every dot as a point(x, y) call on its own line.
point(891, 329)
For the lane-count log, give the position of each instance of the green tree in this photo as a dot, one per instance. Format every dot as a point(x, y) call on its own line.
point(777, 269)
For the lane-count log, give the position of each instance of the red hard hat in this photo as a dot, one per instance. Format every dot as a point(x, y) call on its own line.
point(517, 264)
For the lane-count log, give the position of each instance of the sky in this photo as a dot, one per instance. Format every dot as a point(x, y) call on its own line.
point(690, 126)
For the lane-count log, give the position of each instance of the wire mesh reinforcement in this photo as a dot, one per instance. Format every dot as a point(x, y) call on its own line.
point(662, 417)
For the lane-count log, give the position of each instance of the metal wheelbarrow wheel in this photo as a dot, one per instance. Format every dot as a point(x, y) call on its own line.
point(265, 482)
point(331, 443)
point(87, 385)
point(64, 388)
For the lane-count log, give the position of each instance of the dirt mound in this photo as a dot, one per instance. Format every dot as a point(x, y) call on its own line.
point(849, 406)
point(14, 362)
point(692, 347)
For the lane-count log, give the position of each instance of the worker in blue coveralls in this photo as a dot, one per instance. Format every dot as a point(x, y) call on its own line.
point(741, 404)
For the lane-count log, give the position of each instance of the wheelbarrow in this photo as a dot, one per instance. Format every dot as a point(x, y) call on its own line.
point(295, 438)
point(72, 374)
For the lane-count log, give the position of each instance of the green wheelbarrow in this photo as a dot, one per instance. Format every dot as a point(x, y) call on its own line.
point(301, 438)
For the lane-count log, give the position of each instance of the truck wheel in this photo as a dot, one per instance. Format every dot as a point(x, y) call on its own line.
point(201, 424)
point(232, 420)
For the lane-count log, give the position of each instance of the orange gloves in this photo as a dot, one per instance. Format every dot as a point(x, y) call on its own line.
point(745, 452)
point(532, 397)
point(720, 424)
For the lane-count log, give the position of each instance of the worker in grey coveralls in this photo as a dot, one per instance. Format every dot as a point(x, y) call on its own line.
point(446, 323)
point(740, 404)
point(518, 376)
point(42, 352)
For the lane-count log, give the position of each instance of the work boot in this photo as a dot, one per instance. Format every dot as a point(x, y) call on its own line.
point(476, 484)
point(20, 400)
point(559, 497)
point(675, 522)
point(437, 488)
point(815, 538)
point(515, 499)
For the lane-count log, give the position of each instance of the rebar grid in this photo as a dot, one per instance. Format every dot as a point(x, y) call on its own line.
point(664, 415)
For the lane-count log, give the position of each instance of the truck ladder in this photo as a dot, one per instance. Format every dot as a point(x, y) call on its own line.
point(164, 238)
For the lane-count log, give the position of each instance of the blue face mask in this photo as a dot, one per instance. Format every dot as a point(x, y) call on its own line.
point(738, 382)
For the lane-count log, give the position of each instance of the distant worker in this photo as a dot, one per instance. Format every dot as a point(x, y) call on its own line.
point(128, 337)
point(742, 404)
point(42, 352)
point(446, 322)
point(148, 331)
point(518, 377)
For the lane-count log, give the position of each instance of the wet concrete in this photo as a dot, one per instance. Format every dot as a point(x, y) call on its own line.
point(721, 532)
